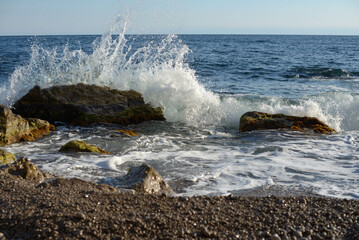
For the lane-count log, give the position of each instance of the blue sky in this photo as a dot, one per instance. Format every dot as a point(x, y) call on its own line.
point(37, 17)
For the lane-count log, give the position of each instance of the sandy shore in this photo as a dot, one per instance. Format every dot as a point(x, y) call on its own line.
point(74, 209)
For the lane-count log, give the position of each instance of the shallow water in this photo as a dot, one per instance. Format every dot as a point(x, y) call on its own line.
point(204, 83)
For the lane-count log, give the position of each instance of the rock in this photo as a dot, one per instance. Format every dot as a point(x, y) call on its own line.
point(14, 128)
point(81, 146)
point(145, 179)
point(25, 169)
point(86, 104)
point(6, 157)
point(275, 237)
point(80, 216)
point(260, 121)
point(127, 132)
point(298, 234)
point(205, 232)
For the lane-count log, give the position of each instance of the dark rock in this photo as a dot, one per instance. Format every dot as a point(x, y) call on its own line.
point(144, 179)
point(14, 128)
point(23, 168)
point(81, 146)
point(6, 157)
point(260, 121)
point(86, 104)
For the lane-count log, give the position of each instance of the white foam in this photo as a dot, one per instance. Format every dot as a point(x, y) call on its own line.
point(159, 71)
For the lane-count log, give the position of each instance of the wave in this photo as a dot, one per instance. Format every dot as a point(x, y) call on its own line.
point(337, 109)
point(159, 71)
point(321, 73)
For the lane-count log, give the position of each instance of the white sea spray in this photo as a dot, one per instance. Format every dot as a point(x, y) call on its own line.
point(159, 70)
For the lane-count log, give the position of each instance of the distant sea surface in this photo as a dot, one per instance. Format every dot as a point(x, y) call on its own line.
point(204, 84)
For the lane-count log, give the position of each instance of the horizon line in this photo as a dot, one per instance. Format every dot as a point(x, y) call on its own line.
point(259, 34)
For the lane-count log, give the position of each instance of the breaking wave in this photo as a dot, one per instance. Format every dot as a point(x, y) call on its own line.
point(158, 70)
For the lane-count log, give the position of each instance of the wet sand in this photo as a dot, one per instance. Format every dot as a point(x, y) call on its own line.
point(75, 209)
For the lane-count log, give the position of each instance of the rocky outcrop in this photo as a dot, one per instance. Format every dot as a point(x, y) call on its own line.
point(23, 168)
point(14, 128)
point(261, 121)
point(6, 157)
point(81, 146)
point(144, 179)
point(86, 104)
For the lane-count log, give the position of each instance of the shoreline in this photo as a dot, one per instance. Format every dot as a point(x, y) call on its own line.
point(75, 209)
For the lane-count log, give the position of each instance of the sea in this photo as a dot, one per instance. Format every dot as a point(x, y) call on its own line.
point(204, 83)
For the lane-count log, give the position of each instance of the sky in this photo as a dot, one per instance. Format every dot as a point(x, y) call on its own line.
point(48, 17)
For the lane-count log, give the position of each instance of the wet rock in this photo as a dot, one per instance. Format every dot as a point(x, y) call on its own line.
point(25, 169)
point(86, 104)
point(81, 146)
point(127, 132)
point(14, 128)
point(6, 157)
point(144, 179)
point(260, 121)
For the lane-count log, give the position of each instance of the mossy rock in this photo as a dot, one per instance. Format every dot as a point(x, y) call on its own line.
point(6, 157)
point(14, 128)
point(81, 146)
point(127, 132)
point(260, 121)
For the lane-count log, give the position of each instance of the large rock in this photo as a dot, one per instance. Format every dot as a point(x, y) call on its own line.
point(14, 128)
point(81, 146)
point(260, 121)
point(86, 104)
point(6, 157)
point(23, 168)
point(144, 179)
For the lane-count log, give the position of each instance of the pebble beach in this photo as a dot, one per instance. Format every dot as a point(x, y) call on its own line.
point(75, 209)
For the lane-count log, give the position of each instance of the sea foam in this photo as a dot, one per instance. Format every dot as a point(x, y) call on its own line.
point(159, 70)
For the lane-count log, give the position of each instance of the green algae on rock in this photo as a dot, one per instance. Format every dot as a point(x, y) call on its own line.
point(260, 121)
point(127, 132)
point(81, 146)
point(6, 157)
point(14, 128)
point(25, 169)
point(83, 105)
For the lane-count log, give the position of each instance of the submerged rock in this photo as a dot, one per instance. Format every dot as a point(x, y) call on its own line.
point(14, 128)
point(6, 157)
point(25, 169)
point(145, 179)
point(81, 146)
point(83, 104)
point(260, 121)
point(127, 132)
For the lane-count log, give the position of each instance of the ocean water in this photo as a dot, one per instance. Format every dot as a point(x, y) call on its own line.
point(204, 84)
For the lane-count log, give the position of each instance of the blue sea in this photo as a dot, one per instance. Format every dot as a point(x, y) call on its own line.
point(204, 84)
